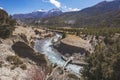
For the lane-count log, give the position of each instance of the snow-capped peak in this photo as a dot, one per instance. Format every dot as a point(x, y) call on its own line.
point(55, 10)
point(42, 10)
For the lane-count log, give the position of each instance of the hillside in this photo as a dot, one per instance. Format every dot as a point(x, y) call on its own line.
point(6, 24)
point(3, 17)
point(103, 14)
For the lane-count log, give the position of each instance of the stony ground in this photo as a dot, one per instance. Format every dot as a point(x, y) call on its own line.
point(10, 62)
point(6, 73)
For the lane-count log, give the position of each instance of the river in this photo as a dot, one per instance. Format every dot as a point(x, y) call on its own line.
point(44, 46)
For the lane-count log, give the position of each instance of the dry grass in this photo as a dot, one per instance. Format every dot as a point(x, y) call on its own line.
point(75, 41)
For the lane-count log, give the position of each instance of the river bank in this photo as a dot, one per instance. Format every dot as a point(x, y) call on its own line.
point(19, 55)
point(18, 60)
point(45, 46)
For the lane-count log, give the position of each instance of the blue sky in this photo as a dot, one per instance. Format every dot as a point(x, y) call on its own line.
point(26, 6)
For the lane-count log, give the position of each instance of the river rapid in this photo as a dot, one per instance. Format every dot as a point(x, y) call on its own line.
point(44, 46)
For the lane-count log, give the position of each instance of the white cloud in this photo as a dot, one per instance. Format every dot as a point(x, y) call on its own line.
point(63, 7)
point(1, 7)
point(54, 2)
point(73, 9)
point(68, 9)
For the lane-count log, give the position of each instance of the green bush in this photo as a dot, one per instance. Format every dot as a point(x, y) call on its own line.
point(14, 60)
point(6, 24)
point(64, 35)
point(23, 66)
point(5, 31)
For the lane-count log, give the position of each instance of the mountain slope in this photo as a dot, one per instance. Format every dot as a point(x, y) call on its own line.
point(102, 8)
point(102, 14)
point(51, 13)
point(38, 14)
point(34, 17)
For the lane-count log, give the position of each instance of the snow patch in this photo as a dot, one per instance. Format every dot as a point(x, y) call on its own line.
point(42, 10)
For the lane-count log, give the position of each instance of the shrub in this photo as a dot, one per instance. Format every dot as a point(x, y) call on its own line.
point(73, 76)
point(13, 67)
point(23, 66)
point(1, 64)
point(5, 31)
point(6, 24)
point(14, 60)
point(64, 35)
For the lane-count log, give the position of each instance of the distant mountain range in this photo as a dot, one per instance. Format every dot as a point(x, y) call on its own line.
point(103, 14)
point(39, 14)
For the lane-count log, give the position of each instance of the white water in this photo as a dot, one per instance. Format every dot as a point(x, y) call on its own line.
point(45, 46)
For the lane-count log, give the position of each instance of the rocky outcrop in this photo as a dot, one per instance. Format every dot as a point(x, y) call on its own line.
point(25, 51)
point(69, 49)
point(74, 44)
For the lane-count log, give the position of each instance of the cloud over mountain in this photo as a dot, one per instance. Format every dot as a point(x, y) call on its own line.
point(54, 2)
point(59, 5)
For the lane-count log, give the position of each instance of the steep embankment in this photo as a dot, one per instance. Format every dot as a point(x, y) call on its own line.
point(74, 44)
point(18, 60)
point(29, 34)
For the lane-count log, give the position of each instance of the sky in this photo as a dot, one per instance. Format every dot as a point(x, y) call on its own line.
point(27, 6)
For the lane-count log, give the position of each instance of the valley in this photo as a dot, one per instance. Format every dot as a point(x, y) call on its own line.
point(62, 43)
